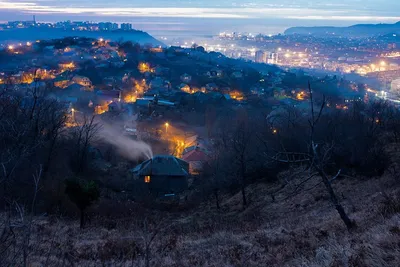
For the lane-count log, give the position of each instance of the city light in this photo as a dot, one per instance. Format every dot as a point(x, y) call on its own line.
point(28, 43)
point(10, 47)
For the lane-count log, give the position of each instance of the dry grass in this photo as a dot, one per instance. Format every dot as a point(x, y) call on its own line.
point(303, 230)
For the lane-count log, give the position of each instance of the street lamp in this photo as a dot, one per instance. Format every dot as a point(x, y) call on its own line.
point(166, 127)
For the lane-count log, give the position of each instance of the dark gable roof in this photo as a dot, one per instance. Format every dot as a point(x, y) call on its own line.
point(109, 93)
point(163, 165)
point(195, 154)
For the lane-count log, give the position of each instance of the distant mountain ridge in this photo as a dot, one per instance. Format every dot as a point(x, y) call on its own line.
point(358, 30)
point(32, 34)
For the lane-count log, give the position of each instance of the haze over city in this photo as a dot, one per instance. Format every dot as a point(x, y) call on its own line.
point(207, 17)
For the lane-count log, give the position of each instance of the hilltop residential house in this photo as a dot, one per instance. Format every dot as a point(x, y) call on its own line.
point(237, 75)
point(163, 174)
point(114, 107)
point(157, 82)
point(109, 95)
point(62, 81)
point(184, 87)
point(82, 80)
point(161, 71)
point(117, 63)
point(196, 157)
point(211, 87)
point(186, 78)
point(215, 73)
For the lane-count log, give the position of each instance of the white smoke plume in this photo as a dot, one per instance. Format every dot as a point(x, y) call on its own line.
point(125, 145)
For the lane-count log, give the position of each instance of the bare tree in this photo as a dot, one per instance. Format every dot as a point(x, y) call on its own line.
point(214, 171)
point(317, 157)
point(150, 232)
point(84, 135)
point(241, 148)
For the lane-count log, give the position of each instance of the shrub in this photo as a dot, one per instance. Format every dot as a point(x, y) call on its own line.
point(82, 193)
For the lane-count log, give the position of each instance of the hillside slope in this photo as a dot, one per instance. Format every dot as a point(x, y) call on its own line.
point(360, 30)
point(288, 230)
point(31, 34)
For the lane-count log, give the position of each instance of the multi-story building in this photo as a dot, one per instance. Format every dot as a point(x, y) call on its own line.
point(396, 86)
point(126, 26)
point(108, 26)
point(273, 58)
point(261, 57)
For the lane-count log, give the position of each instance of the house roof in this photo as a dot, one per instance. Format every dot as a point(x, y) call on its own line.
point(61, 78)
point(201, 97)
point(196, 154)
point(75, 86)
point(197, 144)
point(109, 93)
point(183, 85)
point(191, 139)
point(164, 165)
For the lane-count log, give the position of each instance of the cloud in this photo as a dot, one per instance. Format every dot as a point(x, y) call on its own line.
point(301, 10)
point(346, 18)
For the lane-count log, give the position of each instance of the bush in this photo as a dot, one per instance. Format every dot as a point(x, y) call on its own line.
point(82, 193)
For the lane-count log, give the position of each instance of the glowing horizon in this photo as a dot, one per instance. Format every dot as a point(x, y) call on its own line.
point(284, 9)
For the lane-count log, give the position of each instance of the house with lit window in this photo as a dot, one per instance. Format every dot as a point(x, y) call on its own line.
point(62, 81)
point(186, 78)
point(163, 174)
point(184, 88)
point(82, 80)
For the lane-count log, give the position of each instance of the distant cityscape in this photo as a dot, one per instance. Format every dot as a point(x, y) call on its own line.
point(368, 57)
point(68, 25)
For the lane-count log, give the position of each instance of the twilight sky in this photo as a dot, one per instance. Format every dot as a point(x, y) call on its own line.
point(207, 15)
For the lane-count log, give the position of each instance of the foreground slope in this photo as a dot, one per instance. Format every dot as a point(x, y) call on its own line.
point(289, 229)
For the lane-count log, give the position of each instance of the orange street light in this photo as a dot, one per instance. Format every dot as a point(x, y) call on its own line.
point(166, 127)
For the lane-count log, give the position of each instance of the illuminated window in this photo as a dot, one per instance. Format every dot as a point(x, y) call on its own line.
point(147, 179)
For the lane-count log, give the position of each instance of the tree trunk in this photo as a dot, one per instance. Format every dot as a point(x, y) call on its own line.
point(349, 224)
point(82, 224)
point(244, 195)
point(216, 198)
point(147, 258)
point(50, 154)
point(243, 174)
